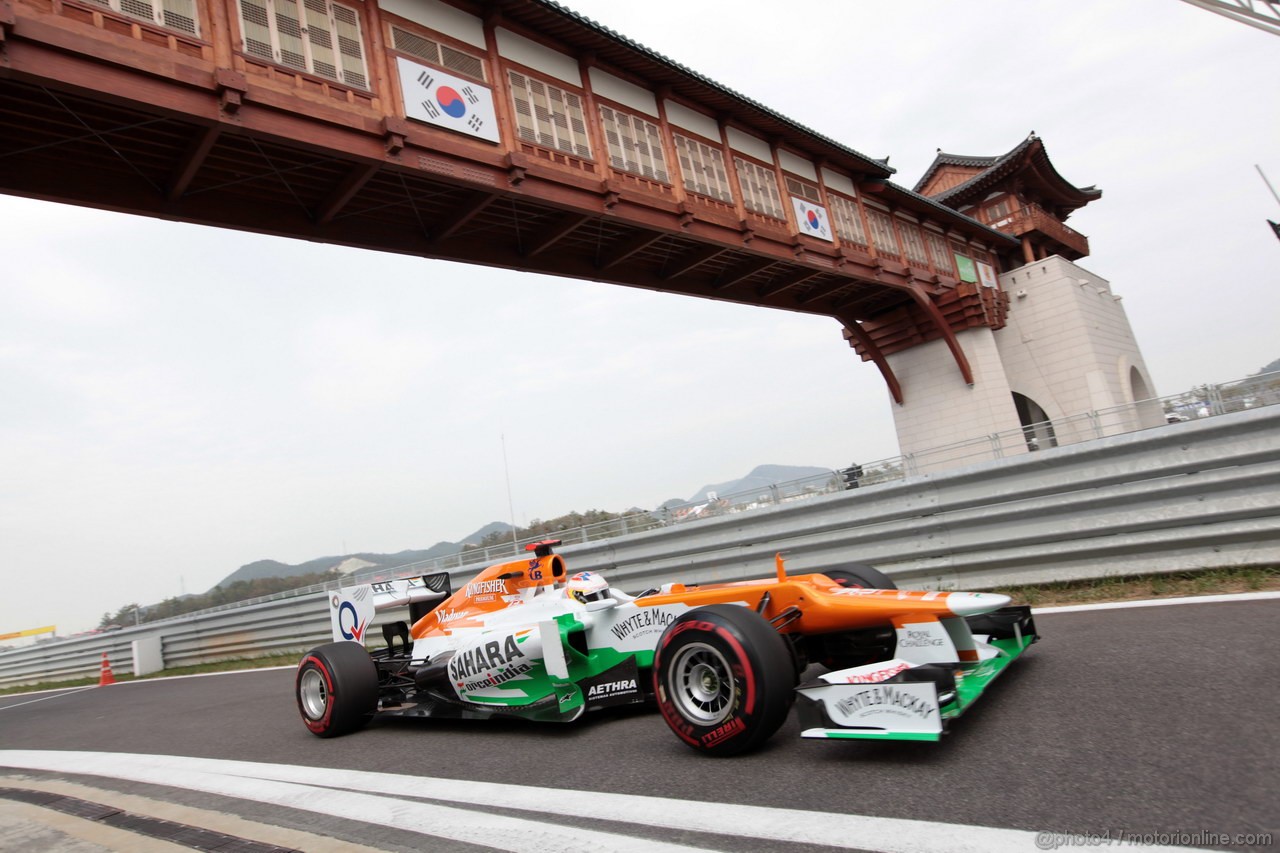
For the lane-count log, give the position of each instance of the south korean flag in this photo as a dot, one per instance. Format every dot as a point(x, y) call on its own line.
point(437, 98)
point(812, 219)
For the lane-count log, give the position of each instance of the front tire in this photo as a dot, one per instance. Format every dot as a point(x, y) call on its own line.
point(859, 576)
point(724, 679)
point(337, 689)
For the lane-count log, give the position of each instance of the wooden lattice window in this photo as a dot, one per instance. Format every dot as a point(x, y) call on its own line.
point(759, 188)
point(998, 210)
point(549, 116)
point(174, 14)
point(942, 261)
point(848, 221)
point(316, 36)
point(440, 55)
point(882, 233)
point(803, 189)
point(635, 145)
point(912, 242)
point(702, 168)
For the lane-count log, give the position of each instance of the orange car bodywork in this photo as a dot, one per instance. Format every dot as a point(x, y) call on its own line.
point(800, 604)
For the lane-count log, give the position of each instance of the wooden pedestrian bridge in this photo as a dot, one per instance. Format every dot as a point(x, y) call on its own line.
point(513, 134)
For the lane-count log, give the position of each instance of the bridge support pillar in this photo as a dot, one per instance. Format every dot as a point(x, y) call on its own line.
point(1065, 368)
point(940, 408)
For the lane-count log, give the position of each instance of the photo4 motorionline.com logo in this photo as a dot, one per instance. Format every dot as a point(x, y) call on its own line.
point(1061, 840)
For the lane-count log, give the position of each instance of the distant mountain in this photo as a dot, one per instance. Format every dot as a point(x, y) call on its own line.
point(351, 562)
point(1270, 368)
point(761, 477)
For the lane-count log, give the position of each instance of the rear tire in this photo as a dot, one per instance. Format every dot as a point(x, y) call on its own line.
point(337, 689)
point(724, 679)
point(858, 576)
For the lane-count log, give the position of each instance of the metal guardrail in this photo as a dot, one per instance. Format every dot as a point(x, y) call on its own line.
point(1202, 402)
point(1199, 494)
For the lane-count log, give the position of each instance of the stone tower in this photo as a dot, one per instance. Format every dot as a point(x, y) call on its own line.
point(1064, 367)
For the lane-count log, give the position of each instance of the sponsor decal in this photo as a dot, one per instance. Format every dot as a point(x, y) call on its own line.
point(617, 685)
point(724, 732)
point(352, 627)
point(489, 656)
point(646, 620)
point(919, 639)
point(482, 587)
point(611, 688)
point(885, 697)
point(493, 679)
point(446, 616)
point(876, 676)
point(854, 590)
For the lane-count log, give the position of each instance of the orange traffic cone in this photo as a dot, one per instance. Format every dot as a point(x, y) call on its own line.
point(107, 677)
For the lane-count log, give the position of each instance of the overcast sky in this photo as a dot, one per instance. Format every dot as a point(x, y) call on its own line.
point(176, 401)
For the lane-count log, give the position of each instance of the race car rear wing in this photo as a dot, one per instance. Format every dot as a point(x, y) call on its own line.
point(410, 591)
point(352, 609)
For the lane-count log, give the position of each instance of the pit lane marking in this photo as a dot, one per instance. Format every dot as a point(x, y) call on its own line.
point(380, 798)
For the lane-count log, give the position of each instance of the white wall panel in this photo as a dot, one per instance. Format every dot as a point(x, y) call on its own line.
point(539, 57)
point(749, 145)
point(683, 117)
point(440, 17)
point(606, 85)
point(796, 165)
point(838, 182)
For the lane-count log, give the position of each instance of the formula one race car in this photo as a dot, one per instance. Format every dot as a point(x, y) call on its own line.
point(722, 661)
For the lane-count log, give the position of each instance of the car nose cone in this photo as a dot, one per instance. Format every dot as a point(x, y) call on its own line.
point(974, 603)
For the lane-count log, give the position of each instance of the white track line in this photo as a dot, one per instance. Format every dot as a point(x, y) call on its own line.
point(1160, 602)
point(46, 698)
point(380, 798)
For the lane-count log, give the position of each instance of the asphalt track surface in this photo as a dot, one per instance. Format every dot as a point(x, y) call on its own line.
point(1158, 720)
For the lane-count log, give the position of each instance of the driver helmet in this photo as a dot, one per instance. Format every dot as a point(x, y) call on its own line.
point(587, 586)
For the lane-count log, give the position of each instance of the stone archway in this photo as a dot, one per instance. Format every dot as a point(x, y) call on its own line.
point(1037, 428)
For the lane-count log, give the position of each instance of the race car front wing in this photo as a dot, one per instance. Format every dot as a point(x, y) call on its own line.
point(901, 700)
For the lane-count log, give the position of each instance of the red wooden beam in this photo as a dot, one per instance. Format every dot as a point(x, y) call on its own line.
point(742, 272)
point(554, 232)
point(346, 190)
point(935, 315)
point(855, 331)
point(691, 261)
point(626, 247)
point(184, 171)
point(479, 201)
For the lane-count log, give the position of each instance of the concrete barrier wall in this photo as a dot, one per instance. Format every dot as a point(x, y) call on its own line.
point(1200, 494)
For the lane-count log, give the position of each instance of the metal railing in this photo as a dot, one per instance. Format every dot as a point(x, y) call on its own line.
point(1200, 402)
point(1197, 495)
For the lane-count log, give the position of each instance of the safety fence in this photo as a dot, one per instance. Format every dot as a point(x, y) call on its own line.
point(1202, 402)
point(1198, 494)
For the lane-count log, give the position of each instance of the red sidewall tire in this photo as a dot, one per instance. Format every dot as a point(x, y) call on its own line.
point(336, 688)
point(724, 679)
point(309, 663)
